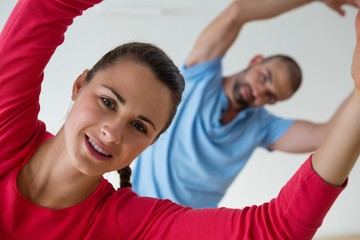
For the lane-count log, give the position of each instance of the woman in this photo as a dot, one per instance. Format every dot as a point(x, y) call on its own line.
point(53, 186)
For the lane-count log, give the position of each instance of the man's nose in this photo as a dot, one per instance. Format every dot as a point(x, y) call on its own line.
point(260, 89)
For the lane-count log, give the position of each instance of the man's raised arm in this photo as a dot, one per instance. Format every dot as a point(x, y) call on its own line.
point(222, 32)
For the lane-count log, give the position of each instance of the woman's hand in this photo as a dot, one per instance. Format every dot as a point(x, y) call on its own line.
point(355, 68)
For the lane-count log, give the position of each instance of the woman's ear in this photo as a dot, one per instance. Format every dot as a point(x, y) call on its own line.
point(78, 84)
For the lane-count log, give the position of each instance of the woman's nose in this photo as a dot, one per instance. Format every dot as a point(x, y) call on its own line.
point(113, 132)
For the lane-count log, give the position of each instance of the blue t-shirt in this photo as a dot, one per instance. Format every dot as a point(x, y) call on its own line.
point(195, 161)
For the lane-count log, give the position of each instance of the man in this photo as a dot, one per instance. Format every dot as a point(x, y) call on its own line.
point(222, 120)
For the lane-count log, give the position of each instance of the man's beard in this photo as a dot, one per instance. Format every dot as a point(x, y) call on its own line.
point(237, 94)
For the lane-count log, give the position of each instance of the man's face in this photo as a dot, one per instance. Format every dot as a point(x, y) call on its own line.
point(260, 84)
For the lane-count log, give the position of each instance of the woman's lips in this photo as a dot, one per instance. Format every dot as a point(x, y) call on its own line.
point(96, 150)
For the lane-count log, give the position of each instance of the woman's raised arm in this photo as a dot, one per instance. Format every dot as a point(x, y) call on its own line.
point(335, 158)
point(33, 31)
point(301, 205)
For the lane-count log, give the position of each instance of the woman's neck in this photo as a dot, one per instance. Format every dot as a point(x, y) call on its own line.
point(48, 180)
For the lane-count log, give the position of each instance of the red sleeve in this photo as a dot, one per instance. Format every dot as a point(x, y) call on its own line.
point(296, 213)
point(32, 33)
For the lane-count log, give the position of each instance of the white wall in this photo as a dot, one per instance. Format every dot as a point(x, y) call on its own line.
point(318, 38)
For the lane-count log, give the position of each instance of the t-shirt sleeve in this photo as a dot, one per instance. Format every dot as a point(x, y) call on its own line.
point(273, 127)
point(202, 71)
point(296, 213)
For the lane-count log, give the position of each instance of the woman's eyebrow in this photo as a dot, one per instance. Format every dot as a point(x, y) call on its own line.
point(118, 95)
point(122, 101)
point(147, 120)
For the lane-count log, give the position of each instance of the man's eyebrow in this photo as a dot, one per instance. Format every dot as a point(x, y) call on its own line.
point(122, 101)
point(118, 96)
point(270, 76)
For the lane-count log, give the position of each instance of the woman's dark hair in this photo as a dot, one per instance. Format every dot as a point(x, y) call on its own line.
point(159, 63)
point(125, 174)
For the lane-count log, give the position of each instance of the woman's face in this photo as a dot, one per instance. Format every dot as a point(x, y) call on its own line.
point(115, 116)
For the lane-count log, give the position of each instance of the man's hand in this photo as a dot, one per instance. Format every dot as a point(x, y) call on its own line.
point(337, 5)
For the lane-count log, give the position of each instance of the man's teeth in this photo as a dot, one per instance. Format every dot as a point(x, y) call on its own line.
point(97, 148)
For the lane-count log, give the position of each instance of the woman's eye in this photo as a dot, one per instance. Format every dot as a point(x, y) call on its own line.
point(108, 102)
point(139, 126)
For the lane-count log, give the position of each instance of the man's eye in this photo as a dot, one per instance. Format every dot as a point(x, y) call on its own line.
point(272, 99)
point(108, 102)
point(266, 77)
point(139, 126)
point(263, 78)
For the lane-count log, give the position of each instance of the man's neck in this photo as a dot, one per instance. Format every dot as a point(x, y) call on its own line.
point(232, 111)
point(230, 114)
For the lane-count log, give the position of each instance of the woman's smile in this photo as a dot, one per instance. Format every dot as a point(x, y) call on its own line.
point(96, 150)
